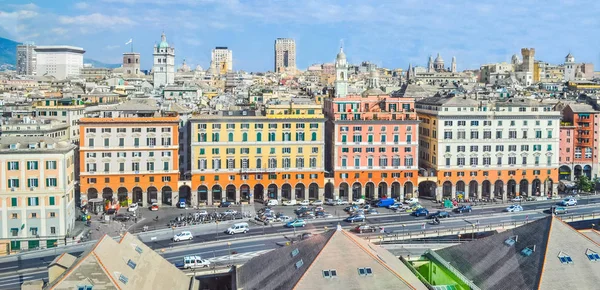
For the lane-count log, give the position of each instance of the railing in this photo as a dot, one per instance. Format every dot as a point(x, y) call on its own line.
point(434, 256)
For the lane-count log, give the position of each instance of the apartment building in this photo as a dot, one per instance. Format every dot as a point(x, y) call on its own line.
point(579, 142)
point(372, 145)
point(37, 181)
point(65, 110)
point(246, 155)
point(60, 61)
point(485, 148)
point(128, 160)
point(35, 127)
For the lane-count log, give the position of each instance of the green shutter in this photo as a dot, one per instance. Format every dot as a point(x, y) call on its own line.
point(52, 201)
point(13, 201)
point(15, 245)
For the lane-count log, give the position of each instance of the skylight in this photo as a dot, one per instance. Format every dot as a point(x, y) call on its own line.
point(509, 242)
point(365, 271)
point(527, 252)
point(331, 273)
point(123, 279)
point(299, 264)
point(131, 264)
point(295, 252)
point(565, 259)
point(138, 249)
point(593, 256)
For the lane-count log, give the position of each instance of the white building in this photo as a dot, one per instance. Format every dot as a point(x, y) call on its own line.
point(341, 74)
point(570, 68)
point(285, 54)
point(59, 61)
point(26, 59)
point(222, 60)
point(164, 63)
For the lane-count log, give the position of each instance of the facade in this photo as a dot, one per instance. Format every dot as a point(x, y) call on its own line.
point(35, 127)
point(128, 160)
point(26, 59)
point(285, 54)
point(579, 153)
point(371, 145)
point(222, 60)
point(59, 61)
point(487, 149)
point(570, 68)
point(163, 69)
point(494, 73)
point(37, 180)
point(131, 63)
point(66, 111)
point(248, 155)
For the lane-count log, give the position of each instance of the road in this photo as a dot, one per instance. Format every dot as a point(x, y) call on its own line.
point(18, 268)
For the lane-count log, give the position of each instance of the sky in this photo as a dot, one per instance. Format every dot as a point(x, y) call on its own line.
point(388, 33)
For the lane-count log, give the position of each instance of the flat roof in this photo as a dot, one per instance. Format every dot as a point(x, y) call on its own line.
point(59, 48)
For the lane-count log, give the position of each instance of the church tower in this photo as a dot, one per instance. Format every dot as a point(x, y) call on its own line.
point(163, 70)
point(453, 65)
point(430, 65)
point(341, 74)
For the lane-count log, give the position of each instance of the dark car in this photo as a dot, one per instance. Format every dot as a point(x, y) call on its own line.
point(225, 204)
point(122, 217)
point(111, 211)
point(463, 208)
point(439, 214)
point(421, 212)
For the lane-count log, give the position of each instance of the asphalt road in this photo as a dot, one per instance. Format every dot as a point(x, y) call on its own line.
point(16, 269)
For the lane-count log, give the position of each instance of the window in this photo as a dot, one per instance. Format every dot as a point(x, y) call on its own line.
point(51, 182)
point(13, 183)
point(329, 273)
point(166, 179)
point(32, 182)
point(33, 201)
point(32, 165)
point(131, 264)
point(447, 135)
point(13, 165)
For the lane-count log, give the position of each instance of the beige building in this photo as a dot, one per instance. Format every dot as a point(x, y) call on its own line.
point(285, 54)
point(37, 181)
point(35, 127)
point(66, 110)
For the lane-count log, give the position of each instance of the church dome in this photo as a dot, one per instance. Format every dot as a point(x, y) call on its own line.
point(163, 41)
point(184, 67)
point(341, 54)
point(439, 59)
point(199, 68)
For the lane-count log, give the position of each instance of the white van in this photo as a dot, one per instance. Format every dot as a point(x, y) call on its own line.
point(238, 228)
point(273, 202)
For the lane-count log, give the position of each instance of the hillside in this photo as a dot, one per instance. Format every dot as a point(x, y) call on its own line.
point(96, 63)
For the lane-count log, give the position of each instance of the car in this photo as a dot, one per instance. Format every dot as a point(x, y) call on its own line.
point(272, 202)
point(322, 214)
point(365, 229)
point(367, 207)
point(182, 204)
point(154, 207)
point(330, 202)
point(133, 207)
point(514, 208)
point(296, 223)
point(463, 208)
point(439, 214)
point(531, 198)
point(290, 202)
point(225, 204)
point(372, 211)
point(351, 208)
point(202, 212)
point(183, 236)
point(307, 215)
point(305, 202)
point(191, 262)
point(238, 228)
point(341, 202)
point(111, 211)
point(385, 202)
point(230, 212)
point(122, 217)
point(394, 206)
point(355, 218)
point(559, 210)
point(421, 212)
point(411, 200)
point(319, 208)
point(284, 218)
point(317, 202)
point(359, 201)
point(403, 208)
point(517, 199)
point(569, 201)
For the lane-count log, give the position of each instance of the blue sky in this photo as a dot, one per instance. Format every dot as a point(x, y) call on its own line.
point(388, 33)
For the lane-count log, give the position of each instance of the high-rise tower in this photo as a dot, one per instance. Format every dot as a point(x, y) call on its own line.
point(341, 74)
point(285, 54)
point(164, 63)
point(528, 55)
point(26, 59)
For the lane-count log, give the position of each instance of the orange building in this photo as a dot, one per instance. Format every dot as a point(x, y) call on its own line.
point(136, 158)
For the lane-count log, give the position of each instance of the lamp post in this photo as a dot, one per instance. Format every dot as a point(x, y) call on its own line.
point(459, 237)
point(173, 233)
point(473, 232)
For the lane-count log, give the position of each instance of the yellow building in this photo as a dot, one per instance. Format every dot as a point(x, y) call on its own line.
point(247, 155)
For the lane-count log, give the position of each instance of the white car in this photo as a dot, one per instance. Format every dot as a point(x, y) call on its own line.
point(229, 212)
point(514, 208)
point(359, 201)
point(341, 202)
point(290, 202)
point(203, 212)
point(317, 202)
point(305, 202)
point(330, 202)
point(284, 218)
point(517, 199)
point(132, 207)
point(569, 201)
point(272, 202)
point(183, 236)
point(411, 200)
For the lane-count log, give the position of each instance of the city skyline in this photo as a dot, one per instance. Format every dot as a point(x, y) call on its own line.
point(390, 34)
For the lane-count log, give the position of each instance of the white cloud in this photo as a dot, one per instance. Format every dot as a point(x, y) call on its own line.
point(192, 41)
point(82, 5)
point(111, 47)
point(59, 31)
point(96, 19)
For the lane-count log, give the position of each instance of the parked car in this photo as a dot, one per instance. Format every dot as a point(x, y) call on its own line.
point(133, 207)
point(351, 208)
point(191, 262)
point(341, 202)
point(284, 218)
point(238, 228)
point(439, 214)
point(531, 198)
point(463, 208)
point(305, 202)
point(290, 202)
point(203, 212)
point(154, 207)
point(514, 208)
point(365, 229)
point(394, 206)
point(122, 217)
point(517, 199)
point(183, 236)
point(330, 202)
point(225, 204)
point(317, 202)
point(411, 200)
point(296, 223)
point(322, 214)
point(230, 212)
point(272, 202)
point(355, 218)
point(372, 211)
point(359, 201)
point(403, 208)
point(569, 201)
point(421, 212)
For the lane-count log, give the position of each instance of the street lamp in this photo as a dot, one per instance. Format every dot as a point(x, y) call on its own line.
point(459, 235)
point(403, 226)
point(473, 232)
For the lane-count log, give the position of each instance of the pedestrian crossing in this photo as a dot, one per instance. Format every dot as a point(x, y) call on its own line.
point(242, 256)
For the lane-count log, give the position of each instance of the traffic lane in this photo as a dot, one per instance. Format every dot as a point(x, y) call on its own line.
point(223, 250)
point(12, 266)
point(15, 281)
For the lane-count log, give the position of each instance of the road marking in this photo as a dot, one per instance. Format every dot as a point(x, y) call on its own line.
point(219, 250)
point(9, 267)
point(387, 221)
point(283, 230)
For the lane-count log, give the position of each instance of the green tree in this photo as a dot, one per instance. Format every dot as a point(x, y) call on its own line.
point(585, 184)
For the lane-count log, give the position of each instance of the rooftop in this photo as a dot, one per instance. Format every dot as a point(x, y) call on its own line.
point(129, 120)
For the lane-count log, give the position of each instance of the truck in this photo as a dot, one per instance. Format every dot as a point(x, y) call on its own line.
point(191, 262)
point(384, 202)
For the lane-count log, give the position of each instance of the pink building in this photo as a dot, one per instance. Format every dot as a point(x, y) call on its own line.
point(579, 142)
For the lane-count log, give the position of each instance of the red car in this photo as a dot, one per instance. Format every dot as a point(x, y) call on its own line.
point(365, 229)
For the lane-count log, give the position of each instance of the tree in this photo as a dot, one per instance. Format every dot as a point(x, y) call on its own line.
point(585, 184)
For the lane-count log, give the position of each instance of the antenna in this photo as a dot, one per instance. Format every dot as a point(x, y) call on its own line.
point(342, 43)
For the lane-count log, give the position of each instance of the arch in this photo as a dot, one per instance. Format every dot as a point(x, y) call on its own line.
point(524, 187)
point(137, 195)
point(396, 190)
point(370, 190)
point(357, 191)
point(202, 193)
point(245, 192)
point(549, 186)
point(272, 191)
point(185, 194)
point(259, 136)
point(486, 189)
point(313, 136)
point(313, 191)
point(217, 193)
point(427, 189)
point(107, 193)
point(286, 191)
point(473, 189)
point(447, 189)
point(511, 188)
point(300, 191)
point(230, 192)
point(382, 190)
point(564, 173)
point(92, 193)
point(408, 189)
point(259, 192)
point(536, 187)
point(577, 170)
point(167, 195)
point(498, 189)
point(244, 137)
point(587, 171)
point(460, 188)
point(329, 188)
point(152, 194)
point(230, 137)
point(122, 194)
point(343, 190)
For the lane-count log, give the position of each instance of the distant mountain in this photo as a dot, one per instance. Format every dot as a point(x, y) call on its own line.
point(96, 63)
point(8, 51)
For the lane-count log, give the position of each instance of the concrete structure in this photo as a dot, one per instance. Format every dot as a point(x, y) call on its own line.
point(37, 181)
point(131, 63)
point(222, 60)
point(494, 73)
point(579, 145)
point(26, 59)
point(59, 61)
point(247, 155)
point(163, 69)
point(371, 145)
point(285, 55)
point(486, 149)
point(136, 158)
